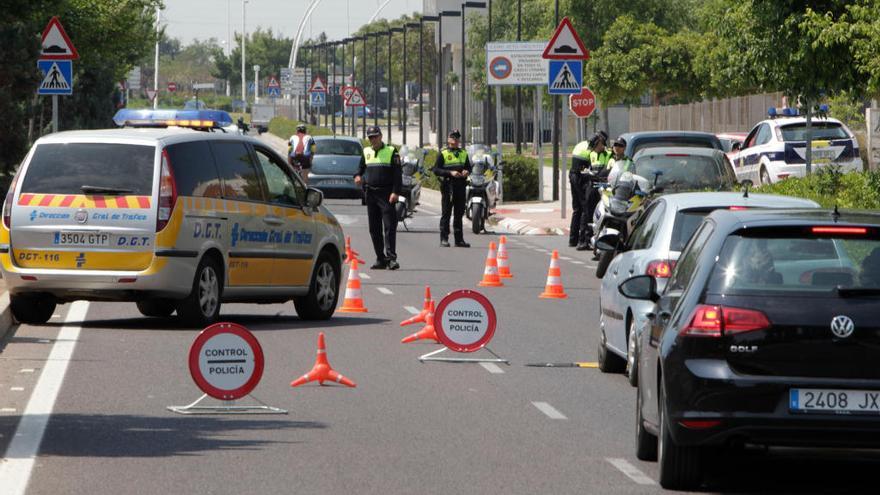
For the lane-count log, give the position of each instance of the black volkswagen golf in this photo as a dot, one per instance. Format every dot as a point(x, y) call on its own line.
point(768, 333)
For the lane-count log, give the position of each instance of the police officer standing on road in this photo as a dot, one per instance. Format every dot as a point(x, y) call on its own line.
point(380, 171)
point(580, 161)
point(452, 167)
point(600, 158)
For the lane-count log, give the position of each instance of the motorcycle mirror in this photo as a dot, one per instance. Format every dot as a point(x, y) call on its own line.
point(607, 242)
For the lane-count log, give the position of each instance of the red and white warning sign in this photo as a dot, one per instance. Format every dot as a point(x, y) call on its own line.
point(465, 321)
point(565, 44)
point(226, 361)
point(56, 45)
point(356, 99)
point(318, 86)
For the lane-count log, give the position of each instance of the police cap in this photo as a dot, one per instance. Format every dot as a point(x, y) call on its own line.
point(620, 142)
point(455, 134)
point(374, 130)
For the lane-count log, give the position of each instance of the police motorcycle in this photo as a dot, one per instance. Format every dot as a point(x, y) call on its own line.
point(482, 190)
point(412, 162)
point(616, 214)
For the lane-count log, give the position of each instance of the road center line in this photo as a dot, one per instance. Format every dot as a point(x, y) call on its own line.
point(15, 471)
point(492, 368)
point(384, 290)
point(630, 471)
point(566, 258)
point(412, 310)
point(549, 410)
point(365, 276)
point(578, 262)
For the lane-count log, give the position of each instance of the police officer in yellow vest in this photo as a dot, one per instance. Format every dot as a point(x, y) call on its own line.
point(580, 162)
point(600, 157)
point(452, 168)
point(380, 172)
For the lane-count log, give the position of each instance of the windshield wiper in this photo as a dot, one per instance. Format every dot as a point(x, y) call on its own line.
point(857, 291)
point(105, 190)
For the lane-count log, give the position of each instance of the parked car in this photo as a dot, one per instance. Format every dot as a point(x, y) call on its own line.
point(775, 149)
point(731, 142)
point(653, 249)
point(358, 111)
point(636, 141)
point(684, 169)
point(765, 334)
point(334, 166)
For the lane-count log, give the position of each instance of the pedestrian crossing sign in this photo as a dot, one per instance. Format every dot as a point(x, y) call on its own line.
point(566, 77)
point(317, 100)
point(57, 77)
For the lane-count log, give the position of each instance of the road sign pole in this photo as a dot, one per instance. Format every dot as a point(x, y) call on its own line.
point(498, 119)
point(562, 162)
point(54, 113)
point(539, 141)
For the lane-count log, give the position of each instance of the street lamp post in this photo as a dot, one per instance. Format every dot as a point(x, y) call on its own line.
point(390, 79)
point(422, 20)
point(243, 57)
point(327, 47)
point(465, 5)
point(376, 36)
point(440, 123)
point(364, 126)
point(409, 25)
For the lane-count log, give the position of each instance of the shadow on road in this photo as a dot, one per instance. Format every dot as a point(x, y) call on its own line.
point(98, 435)
point(253, 322)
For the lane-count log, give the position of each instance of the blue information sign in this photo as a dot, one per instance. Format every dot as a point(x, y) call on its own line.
point(317, 99)
point(57, 77)
point(566, 77)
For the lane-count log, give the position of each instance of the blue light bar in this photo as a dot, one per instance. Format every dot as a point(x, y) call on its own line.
point(149, 117)
point(823, 108)
point(771, 112)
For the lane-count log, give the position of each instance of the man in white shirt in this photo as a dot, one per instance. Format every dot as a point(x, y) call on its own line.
point(299, 152)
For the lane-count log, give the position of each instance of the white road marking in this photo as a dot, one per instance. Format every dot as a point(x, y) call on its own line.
point(365, 276)
point(26, 370)
point(549, 410)
point(566, 258)
point(19, 459)
point(412, 310)
point(385, 291)
point(17, 389)
point(630, 471)
point(492, 368)
point(577, 262)
point(591, 266)
point(7, 410)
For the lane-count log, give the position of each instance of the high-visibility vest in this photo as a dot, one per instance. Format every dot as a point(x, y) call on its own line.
point(582, 150)
point(381, 158)
point(451, 159)
point(600, 160)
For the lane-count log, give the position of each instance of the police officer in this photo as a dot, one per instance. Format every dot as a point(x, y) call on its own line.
point(380, 172)
point(452, 167)
point(580, 162)
point(600, 158)
point(619, 163)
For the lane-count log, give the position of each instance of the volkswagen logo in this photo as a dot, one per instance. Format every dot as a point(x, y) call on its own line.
point(842, 326)
point(81, 216)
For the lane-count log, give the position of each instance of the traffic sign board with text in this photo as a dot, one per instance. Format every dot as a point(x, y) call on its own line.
point(465, 321)
point(515, 64)
point(226, 361)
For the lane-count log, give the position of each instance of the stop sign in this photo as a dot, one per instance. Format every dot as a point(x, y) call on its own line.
point(582, 104)
point(172, 86)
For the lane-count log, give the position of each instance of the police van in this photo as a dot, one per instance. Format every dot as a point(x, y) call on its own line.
point(775, 149)
point(169, 216)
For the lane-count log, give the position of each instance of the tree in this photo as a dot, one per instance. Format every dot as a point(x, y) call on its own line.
point(269, 50)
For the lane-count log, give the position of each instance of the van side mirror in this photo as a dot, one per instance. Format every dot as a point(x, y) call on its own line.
point(640, 287)
point(314, 197)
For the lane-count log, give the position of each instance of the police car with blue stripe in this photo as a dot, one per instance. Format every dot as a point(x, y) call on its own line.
point(775, 149)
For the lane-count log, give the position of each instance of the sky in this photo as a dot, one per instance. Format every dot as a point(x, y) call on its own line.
point(204, 19)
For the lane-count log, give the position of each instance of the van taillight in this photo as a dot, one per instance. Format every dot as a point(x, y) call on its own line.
point(660, 268)
point(167, 193)
point(715, 321)
point(7, 204)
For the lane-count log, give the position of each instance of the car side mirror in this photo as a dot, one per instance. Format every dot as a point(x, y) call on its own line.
point(607, 242)
point(314, 197)
point(640, 287)
point(736, 147)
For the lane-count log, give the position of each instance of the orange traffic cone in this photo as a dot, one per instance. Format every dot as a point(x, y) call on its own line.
point(351, 254)
point(503, 261)
point(553, 289)
point(426, 307)
point(425, 333)
point(354, 300)
point(490, 274)
point(321, 371)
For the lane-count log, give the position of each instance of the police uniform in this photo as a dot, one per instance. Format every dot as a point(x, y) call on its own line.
point(453, 190)
point(380, 171)
point(600, 163)
point(580, 161)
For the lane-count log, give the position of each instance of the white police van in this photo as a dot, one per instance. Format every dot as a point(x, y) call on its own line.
point(171, 218)
point(775, 149)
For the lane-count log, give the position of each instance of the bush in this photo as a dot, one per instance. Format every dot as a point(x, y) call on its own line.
point(520, 177)
point(284, 128)
point(829, 187)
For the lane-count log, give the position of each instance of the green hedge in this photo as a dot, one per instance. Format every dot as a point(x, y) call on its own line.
point(830, 187)
point(520, 175)
point(284, 128)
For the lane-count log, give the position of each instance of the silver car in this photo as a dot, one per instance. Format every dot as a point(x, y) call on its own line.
point(653, 249)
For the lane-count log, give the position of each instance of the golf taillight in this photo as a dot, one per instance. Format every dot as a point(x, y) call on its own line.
point(660, 268)
point(7, 204)
point(167, 193)
point(716, 321)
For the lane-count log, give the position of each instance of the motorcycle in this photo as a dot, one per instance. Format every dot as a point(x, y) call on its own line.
point(412, 161)
point(616, 214)
point(482, 190)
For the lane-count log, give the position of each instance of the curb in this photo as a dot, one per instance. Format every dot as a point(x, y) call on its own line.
point(6, 321)
point(523, 227)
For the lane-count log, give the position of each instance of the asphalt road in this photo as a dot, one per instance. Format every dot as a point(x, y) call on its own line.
point(408, 427)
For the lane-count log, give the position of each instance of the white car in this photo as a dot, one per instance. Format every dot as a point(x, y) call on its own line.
point(653, 249)
point(775, 149)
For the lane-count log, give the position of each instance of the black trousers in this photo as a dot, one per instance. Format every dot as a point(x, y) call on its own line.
point(383, 223)
point(577, 206)
point(591, 200)
point(452, 201)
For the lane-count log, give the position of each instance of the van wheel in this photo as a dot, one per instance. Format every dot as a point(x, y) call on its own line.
point(765, 177)
point(202, 306)
point(33, 309)
point(320, 302)
point(157, 308)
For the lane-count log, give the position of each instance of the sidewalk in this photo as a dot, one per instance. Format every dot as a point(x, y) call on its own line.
point(537, 217)
point(6, 322)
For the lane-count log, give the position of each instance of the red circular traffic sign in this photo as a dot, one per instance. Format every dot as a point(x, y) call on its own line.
point(226, 361)
point(584, 104)
point(172, 86)
point(464, 321)
point(501, 67)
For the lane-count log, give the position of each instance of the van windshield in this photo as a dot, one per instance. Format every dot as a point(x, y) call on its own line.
point(64, 168)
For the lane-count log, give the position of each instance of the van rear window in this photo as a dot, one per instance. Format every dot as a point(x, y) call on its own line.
point(64, 168)
point(821, 130)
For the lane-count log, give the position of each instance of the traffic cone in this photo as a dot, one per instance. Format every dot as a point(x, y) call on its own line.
point(351, 254)
point(503, 261)
point(354, 300)
point(321, 371)
point(426, 306)
point(425, 333)
point(553, 289)
point(490, 274)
